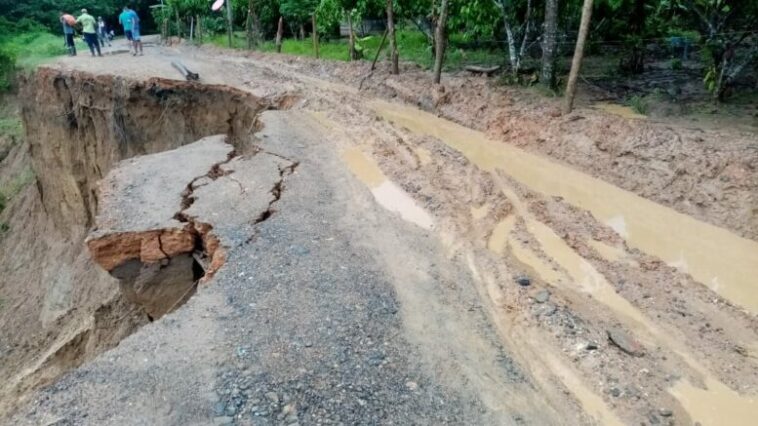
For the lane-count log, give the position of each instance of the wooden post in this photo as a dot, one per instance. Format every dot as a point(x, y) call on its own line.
point(178, 24)
point(229, 27)
point(315, 34)
point(373, 63)
point(576, 62)
point(279, 33)
point(198, 29)
point(394, 57)
point(351, 38)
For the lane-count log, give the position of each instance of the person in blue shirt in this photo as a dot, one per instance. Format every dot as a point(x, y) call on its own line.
point(131, 23)
point(125, 20)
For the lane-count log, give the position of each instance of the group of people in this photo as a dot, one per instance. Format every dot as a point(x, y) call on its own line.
point(96, 34)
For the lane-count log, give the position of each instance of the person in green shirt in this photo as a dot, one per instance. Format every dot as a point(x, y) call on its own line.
point(89, 29)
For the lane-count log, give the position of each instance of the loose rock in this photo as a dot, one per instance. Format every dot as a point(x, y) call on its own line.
point(523, 280)
point(625, 342)
point(542, 296)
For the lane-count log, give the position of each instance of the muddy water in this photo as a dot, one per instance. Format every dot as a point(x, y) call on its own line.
point(386, 193)
point(723, 261)
point(620, 110)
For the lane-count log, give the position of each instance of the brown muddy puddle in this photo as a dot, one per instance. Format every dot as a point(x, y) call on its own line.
point(717, 258)
point(386, 193)
point(619, 110)
point(725, 262)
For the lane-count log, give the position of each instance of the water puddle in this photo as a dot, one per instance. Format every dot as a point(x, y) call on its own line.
point(528, 257)
point(709, 253)
point(496, 242)
point(619, 110)
point(386, 193)
point(716, 405)
point(592, 403)
point(725, 262)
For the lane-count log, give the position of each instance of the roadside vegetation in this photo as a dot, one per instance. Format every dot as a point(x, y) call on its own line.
point(642, 47)
point(410, 41)
point(633, 49)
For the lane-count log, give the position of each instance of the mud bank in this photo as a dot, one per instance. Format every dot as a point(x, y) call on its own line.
point(60, 307)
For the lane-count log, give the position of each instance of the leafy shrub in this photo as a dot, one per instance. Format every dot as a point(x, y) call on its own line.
point(7, 69)
point(638, 103)
point(676, 64)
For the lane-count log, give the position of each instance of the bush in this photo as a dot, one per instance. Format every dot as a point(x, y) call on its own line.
point(676, 64)
point(638, 104)
point(7, 69)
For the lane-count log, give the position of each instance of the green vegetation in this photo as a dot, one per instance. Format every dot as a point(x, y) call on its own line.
point(411, 43)
point(13, 188)
point(638, 104)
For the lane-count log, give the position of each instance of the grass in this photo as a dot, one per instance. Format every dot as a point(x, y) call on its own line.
point(412, 46)
point(10, 125)
point(33, 49)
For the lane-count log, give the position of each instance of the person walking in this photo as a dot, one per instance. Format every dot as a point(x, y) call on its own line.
point(89, 30)
point(125, 19)
point(131, 23)
point(68, 23)
point(102, 32)
point(136, 37)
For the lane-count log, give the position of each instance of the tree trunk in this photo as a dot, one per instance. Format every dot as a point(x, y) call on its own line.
point(635, 62)
point(249, 26)
point(192, 29)
point(576, 62)
point(279, 33)
point(351, 37)
point(394, 57)
point(509, 35)
point(302, 31)
point(441, 41)
point(229, 28)
point(198, 29)
point(178, 24)
point(549, 43)
point(525, 38)
point(315, 34)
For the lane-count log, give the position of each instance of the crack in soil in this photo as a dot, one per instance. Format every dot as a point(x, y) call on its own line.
point(214, 173)
point(276, 191)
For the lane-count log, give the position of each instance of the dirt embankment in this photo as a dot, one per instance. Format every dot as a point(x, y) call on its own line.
point(59, 308)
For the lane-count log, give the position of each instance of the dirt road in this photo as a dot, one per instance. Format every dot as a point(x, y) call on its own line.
point(394, 254)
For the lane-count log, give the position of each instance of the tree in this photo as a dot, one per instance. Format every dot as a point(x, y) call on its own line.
point(393, 41)
point(728, 29)
point(576, 62)
point(440, 37)
point(515, 53)
point(549, 43)
point(298, 12)
point(252, 25)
